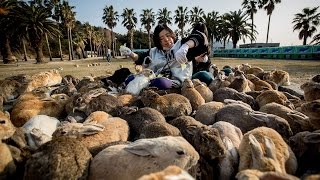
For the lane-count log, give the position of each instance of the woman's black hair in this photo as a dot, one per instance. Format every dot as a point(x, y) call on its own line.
point(156, 37)
point(200, 27)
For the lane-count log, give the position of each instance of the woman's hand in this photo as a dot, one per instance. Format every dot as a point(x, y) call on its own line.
point(202, 58)
point(125, 51)
point(181, 54)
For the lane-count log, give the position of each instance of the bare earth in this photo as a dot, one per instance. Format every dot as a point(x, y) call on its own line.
point(300, 70)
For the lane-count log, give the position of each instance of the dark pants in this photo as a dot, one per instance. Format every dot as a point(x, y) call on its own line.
point(108, 57)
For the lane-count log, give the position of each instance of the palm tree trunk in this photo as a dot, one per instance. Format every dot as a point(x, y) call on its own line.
point(90, 39)
point(49, 50)
point(305, 40)
point(112, 41)
point(39, 52)
point(182, 33)
point(82, 51)
point(60, 49)
point(251, 27)
point(131, 39)
point(69, 45)
point(25, 57)
point(268, 28)
point(8, 57)
point(149, 39)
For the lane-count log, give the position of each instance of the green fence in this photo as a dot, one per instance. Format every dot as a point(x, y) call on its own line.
point(287, 52)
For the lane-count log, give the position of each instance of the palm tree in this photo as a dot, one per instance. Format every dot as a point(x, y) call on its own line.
point(268, 5)
point(164, 16)
point(181, 18)
point(110, 18)
point(306, 22)
point(212, 20)
point(79, 41)
point(236, 22)
point(196, 15)
point(68, 19)
point(7, 18)
point(223, 31)
point(35, 23)
point(250, 8)
point(89, 30)
point(129, 21)
point(147, 20)
point(57, 15)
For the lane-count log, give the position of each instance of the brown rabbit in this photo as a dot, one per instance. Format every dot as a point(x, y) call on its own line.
point(311, 90)
point(170, 105)
point(278, 76)
point(7, 166)
point(192, 94)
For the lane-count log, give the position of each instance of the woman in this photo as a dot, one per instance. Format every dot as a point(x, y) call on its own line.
point(162, 58)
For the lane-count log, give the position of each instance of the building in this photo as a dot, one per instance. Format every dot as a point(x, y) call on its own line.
point(259, 45)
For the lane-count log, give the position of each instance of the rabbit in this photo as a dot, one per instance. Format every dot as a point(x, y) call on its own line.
point(192, 94)
point(264, 149)
point(311, 90)
point(170, 105)
point(203, 89)
point(7, 165)
point(60, 158)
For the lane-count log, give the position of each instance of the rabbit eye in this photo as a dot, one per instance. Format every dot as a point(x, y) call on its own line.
point(79, 100)
point(2, 121)
point(317, 106)
point(63, 132)
point(180, 152)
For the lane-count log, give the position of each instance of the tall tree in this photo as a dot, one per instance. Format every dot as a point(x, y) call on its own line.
point(47, 4)
point(250, 6)
point(212, 20)
point(7, 18)
point(89, 30)
point(269, 6)
point(164, 16)
point(181, 18)
point(223, 31)
point(79, 41)
point(110, 18)
point(306, 22)
point(35, 22)
point(147, 19)
point(129, 21)
point(57, 16)
point(196, 15)
point(236, 22)
point(68, 19)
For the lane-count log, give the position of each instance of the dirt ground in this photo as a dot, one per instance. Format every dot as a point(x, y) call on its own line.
point(299, 70)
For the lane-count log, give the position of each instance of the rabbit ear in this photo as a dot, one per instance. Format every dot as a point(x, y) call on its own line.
point(259, 116)
point(131, 109)
point(312, 138)
point(255, 147)
point(270, 148)
point(91, 128)
point(230, 147)
point(228, 143)
point(298, 117)
point(141, 147)
point(96, 92)
point(71, 119)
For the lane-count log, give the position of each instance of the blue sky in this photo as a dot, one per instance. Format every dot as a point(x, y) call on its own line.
point(280, 28)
